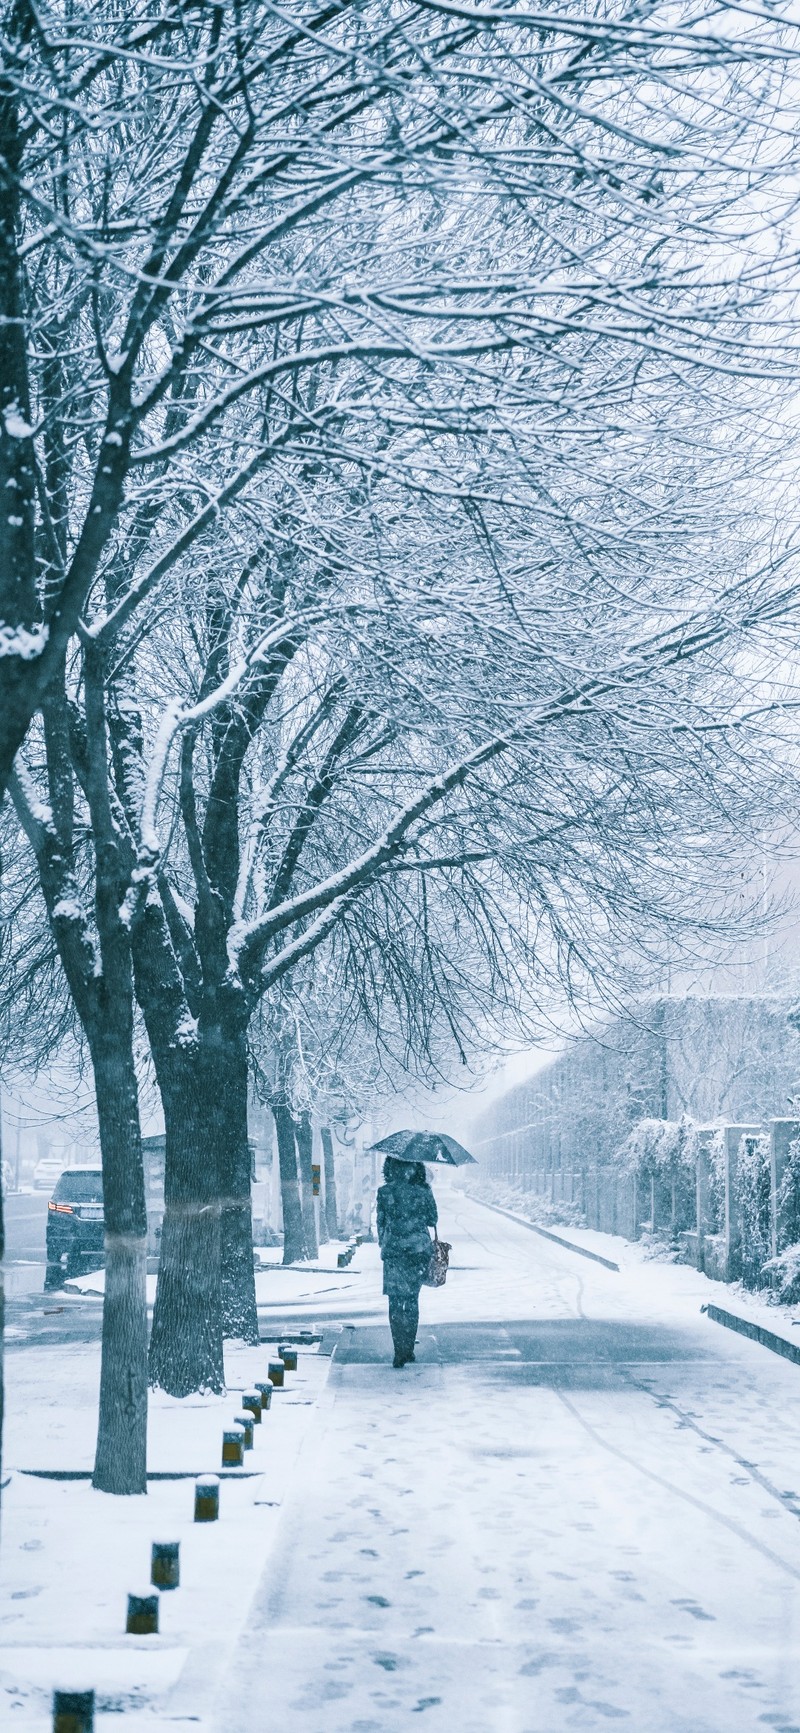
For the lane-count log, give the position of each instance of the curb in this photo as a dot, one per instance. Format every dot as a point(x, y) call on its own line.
point(570, 1245)
point(152, 1474)
point(331, 1337)
point(755, 1332)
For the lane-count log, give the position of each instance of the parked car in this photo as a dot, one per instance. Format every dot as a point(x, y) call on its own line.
point(75, 1225)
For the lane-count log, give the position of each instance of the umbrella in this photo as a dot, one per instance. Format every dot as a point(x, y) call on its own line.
point(432, 1146)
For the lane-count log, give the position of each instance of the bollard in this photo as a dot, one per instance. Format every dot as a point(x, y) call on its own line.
point(232, 1449)
point(289, 1358)
point(341, 1261)
point(359, 1239)
point(206, 1499)
point(246, 1423)
point(265, 1392)
point(142, 1618)
point(73, 1712)
point(252, 1401)
point(275, 1370)
point(165, 1564)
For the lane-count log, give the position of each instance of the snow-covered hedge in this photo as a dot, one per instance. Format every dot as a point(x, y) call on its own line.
point(783, 1274)
point(514, 1195)
point(660, 1146)
point(754, 1207)
point(789, 1195)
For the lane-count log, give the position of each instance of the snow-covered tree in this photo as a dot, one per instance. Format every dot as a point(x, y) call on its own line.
point(213, 201)
point(385, 411)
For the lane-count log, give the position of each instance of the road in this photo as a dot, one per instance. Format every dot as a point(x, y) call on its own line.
point(580, 1508)
point(25, 1223)
point(34, 1317)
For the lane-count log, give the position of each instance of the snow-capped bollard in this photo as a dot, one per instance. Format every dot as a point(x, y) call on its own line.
point(142, 1620)
point(265, 1392)
point(276, 1370)
point(289, 1358)
point(246, 1423)
point(165, 1564)
point(73, 1712)
point(251, 1400)
point(232, 1449)
point(206, 1499)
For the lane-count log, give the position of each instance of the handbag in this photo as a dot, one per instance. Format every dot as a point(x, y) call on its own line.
point(438, 1266)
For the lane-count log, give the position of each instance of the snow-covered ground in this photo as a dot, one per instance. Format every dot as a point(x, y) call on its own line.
point(297, 1286)
point(70, 1556)
point(580, 1506)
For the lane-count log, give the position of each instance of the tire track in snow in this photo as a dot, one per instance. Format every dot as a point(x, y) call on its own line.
point(755, 1474)
point(669, 1486)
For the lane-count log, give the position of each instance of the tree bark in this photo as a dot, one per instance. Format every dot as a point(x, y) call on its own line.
point(186, 1352)
point(226, 1092)
point(121, 1456)
point(321, 1213)
point(19, 603)
point(294, 1244)
point(331, 1218)
point(305, 1149)
point(2, 1307)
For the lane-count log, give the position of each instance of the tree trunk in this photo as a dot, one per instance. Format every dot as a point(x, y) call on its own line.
point(331, 1217)
point(19, 603)
point(186, 1340)
point(321, 1215)
point(2, 1307)
point(226, 1095)
point(305, 1149)
point(121, 1457)
point(294, 1244)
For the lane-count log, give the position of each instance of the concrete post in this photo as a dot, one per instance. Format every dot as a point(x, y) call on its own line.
point(633, 1224)
point(782, 1133)
point(331, 1216)
point(733, 1222)
point(703, 1193)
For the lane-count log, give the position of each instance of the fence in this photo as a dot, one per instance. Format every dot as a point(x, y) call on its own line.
point(727, 1210)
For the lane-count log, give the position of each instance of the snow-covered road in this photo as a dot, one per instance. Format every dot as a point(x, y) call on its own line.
point(580, 1507)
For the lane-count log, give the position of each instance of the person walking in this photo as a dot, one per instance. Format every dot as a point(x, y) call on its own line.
point(406, 1210)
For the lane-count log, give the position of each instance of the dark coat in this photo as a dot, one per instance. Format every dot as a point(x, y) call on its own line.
point(405, 1212)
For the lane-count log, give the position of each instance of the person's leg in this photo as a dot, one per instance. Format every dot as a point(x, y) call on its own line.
point(412, 1325)
point(407, 1321)
point(396, 1325)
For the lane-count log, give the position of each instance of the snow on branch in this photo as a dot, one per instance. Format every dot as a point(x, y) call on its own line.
point(23, 642)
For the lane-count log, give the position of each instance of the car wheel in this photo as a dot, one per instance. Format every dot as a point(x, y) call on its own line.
point(75, 1264)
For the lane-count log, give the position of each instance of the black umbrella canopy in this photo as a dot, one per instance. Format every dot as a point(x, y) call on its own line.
point(431, 1146)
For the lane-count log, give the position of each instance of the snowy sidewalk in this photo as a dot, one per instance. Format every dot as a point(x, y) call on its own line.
point(580, 1507)
point(71, 1555)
